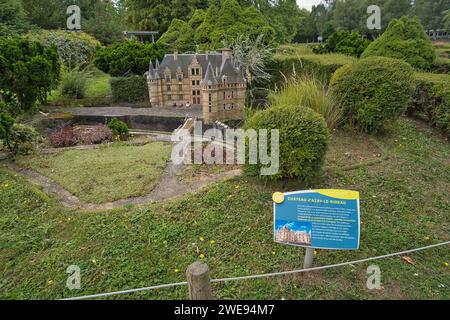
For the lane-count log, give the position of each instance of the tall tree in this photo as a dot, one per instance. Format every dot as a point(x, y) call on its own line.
point(431, 12)
point(13, 18)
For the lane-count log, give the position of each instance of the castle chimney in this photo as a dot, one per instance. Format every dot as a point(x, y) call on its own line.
point(175, 55)
point(207, 55)
point(226, 53)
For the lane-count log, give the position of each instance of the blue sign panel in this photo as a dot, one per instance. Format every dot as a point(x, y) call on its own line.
point(323, 219)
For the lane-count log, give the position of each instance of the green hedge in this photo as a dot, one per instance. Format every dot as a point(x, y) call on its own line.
point(432, 99)
point(373, 91)
point(129, 89)
point(321, 66)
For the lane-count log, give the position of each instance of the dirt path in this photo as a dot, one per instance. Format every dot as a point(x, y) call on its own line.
point(170, 187)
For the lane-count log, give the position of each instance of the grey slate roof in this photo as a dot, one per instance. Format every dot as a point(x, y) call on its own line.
point(184, 60)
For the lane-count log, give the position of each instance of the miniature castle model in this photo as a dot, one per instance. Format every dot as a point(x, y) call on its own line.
point(210, 81)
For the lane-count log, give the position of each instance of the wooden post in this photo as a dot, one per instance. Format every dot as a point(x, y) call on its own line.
point(198, 281)
point(309, 257)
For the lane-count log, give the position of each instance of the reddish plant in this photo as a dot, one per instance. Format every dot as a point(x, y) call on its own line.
point(63, 137)
point(96, 135)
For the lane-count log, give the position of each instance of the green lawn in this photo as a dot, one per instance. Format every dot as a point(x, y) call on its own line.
point(404, 203)
point(97, 93)
point(106, 174)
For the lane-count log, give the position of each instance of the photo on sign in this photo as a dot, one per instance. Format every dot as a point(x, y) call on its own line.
point(298, 232)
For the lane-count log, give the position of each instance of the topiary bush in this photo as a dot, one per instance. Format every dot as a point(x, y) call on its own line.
point(119, 128)
point(129, 89)
point(373, 91)
point(404, 39)
point(303, 141)
point(431, 100)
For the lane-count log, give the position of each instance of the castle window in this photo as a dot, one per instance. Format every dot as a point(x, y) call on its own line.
point(198, 82)
point(209, 97)
point(224, 95)
point(193, 93)
point(193, 72)
point(169, 88)
point(193, 82)
point(180, 77)
point(180, 87)
point(198, 92)
point(232, 106)
point(197, 71)
point(224, 106)
point(167, 78)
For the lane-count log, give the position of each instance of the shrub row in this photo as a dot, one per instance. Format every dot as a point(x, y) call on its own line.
point(432, 99)
point(129, 89)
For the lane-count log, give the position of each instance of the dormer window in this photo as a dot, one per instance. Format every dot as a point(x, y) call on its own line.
point(224, 79)
point(180, 77)
point(168, 78)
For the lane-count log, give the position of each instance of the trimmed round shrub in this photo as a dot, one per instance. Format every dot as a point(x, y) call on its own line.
point(373, 91)
point(404, 39)
point(303, 142)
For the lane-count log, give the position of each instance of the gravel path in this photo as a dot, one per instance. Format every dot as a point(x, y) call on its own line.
point(119, 110)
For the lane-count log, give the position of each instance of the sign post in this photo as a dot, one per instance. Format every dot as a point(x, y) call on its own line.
point(322, 219)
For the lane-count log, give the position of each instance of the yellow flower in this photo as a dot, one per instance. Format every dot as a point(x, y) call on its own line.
point(50, 282)
point(212, 241)
point(446, 264)
point(177, 270)
point(201, 239)
point(6, 185)
point(273, 252)
point(315, 252)
point(94, 261)
point(426, 238)
point(237, 187)
point(201, 256)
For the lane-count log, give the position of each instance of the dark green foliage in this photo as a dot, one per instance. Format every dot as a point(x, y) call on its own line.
point(13, 19)
point(129, 57)
point(219, 26)
point(373, 91)
point(119, 128)
point(6, 124)
point(345, 42)
point(129, 89)
point(432, 99)
point(303, 141)
point(28, 70)
point(404, 39)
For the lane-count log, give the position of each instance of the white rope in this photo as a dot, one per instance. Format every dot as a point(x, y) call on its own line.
point(264, 275)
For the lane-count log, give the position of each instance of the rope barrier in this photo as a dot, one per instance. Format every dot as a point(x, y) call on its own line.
point(264, 275)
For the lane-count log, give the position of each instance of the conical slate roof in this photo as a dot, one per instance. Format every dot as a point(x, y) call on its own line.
point(209, 79)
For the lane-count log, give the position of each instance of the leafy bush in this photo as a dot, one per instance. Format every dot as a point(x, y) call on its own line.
point(63, 137)
point(96, 135)
point(373, 91)
point(321, 67)
point(404, 39)
point(6, 124)
point(22, 139)
point(345, 42)
point(119, 128)
point(75, 49)
point(74, 83)
point(129, 57)
point(308, 92)
point(432, 99)
point(303, 141)
point(28, 70)
point(129, 89)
